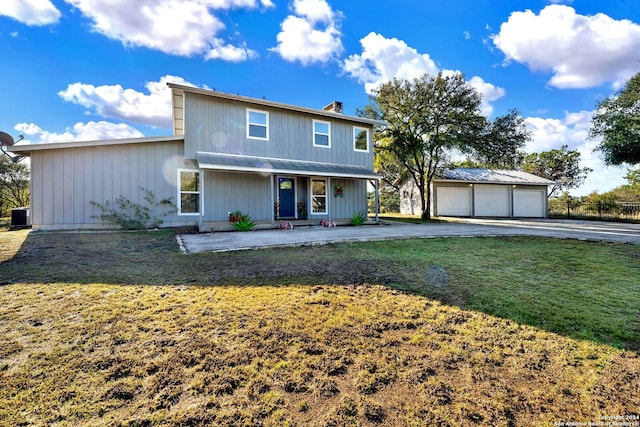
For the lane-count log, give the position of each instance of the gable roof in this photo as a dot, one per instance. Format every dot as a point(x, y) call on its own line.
point(488, 176)
point(273, 104)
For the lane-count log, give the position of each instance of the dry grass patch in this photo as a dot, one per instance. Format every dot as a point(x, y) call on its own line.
point(290, 355)
point(119, 329)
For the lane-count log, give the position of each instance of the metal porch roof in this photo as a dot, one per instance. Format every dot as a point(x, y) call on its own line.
point(241, 163)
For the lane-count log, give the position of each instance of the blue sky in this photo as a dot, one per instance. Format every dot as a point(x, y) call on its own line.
point(97, 69)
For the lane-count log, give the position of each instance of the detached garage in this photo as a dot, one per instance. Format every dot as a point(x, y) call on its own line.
point(482, 193)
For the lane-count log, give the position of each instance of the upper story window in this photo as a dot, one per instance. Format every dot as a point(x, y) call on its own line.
point(321, 134)
point(188, 192)
point(257, 124)
point(360, 139)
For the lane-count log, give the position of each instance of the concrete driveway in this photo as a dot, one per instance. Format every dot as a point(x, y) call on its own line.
point(563, 229)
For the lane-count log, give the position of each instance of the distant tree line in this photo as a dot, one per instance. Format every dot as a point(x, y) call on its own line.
point(14, 185)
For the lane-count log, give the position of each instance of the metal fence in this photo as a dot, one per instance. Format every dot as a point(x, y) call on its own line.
point(606, 211)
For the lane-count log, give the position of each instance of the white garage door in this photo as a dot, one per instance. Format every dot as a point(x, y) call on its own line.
point(453, 201)
point(528, 203)
point(492, 200)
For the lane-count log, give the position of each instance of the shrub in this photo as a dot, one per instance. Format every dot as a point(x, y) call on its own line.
point(358, 219)
point(128, 215)
point(243, 223)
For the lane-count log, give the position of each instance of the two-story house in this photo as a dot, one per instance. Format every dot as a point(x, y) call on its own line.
point(228, 153)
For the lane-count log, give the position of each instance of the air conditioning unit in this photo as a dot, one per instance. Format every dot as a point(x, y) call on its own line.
point(21, 217)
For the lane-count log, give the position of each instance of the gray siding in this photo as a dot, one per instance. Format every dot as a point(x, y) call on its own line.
point(228, 192)
point(65, 181)
point(217, 125)
point(354, 198)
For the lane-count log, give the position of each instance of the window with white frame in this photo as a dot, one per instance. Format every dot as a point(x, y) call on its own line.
point(257, 124)
point(360, 139)
point(318, 196)
point(188, 192)
point(321, 134)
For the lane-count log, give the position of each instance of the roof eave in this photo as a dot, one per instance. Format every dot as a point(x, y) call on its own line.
point(26, 149)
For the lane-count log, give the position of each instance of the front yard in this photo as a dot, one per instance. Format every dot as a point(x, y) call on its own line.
point(122, 329)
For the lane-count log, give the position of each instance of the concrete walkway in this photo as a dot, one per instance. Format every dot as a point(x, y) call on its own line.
point(564, 229)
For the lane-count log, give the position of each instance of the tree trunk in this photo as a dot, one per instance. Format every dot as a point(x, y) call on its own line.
point(426, 210)
point(424, 205)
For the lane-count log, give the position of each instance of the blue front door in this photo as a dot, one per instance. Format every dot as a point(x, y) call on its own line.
point(287, 197)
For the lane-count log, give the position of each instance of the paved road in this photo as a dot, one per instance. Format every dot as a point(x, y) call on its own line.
point(566, 229)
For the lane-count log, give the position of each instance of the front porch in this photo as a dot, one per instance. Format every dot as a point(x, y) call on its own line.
point(275, 190)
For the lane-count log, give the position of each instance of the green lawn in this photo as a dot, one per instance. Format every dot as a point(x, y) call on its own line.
point(123, 329)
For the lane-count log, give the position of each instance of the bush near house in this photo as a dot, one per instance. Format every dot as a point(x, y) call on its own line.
point(243, 222)
point(125, 214)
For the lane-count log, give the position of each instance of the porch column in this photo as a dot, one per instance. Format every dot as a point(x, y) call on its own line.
point(377, 203)
point(328, 197)
point(273, 198)
point(201, 173)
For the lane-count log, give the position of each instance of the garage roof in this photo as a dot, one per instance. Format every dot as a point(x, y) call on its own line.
point(241, 163)
point(489, 176)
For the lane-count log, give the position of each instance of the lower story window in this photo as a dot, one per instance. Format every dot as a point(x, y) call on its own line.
point(319, 196)
point(189, 197)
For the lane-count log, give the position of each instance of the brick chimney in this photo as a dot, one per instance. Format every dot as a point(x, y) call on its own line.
point(334, 107)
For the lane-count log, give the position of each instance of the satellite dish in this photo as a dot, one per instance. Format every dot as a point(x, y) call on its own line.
point(6, 139)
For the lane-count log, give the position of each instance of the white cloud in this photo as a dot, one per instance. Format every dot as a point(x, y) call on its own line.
point(311, 35)
point(384, 59)
point(242, 4)
point(30, 12)
point(230, 53)
point(572, 130)
point(91, 131)
point(114, 101)
point(489, 93)
point(580, 51)
point(177, 27)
